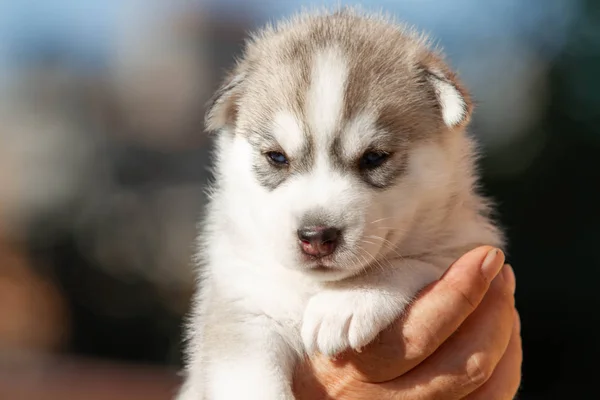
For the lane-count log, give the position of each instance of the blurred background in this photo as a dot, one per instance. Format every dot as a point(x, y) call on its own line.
point(103, 162)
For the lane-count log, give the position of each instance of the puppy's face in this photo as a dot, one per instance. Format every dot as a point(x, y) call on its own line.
point(337, 135)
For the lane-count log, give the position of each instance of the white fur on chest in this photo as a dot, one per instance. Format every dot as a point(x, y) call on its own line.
point(270, 291)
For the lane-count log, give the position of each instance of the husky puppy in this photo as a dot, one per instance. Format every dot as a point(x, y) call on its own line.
point(344, 183)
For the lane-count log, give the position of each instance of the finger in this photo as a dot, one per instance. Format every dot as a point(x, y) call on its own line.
point(467, 359)
point(506, 379)
point(436, 313)
point(443, 378)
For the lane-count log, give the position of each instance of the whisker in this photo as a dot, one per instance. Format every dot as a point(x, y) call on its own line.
point(381, 219)
point(387, 244)
point(366, 241)
point(384, 244)
point(374, 259)
point(358, 262)
point(366, 262)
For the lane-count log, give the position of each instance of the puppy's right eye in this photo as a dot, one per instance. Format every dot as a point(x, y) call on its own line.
point(277, 158)
point(373, 159)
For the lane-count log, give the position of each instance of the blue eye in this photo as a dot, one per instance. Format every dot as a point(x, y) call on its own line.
point(277, 158)
point(373, 159)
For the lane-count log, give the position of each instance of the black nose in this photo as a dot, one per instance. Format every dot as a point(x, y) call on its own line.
point(318, 241)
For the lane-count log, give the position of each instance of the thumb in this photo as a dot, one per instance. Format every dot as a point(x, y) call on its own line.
point(436, 313)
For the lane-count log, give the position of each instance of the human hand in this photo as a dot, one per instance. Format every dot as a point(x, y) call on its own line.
point(459, 340)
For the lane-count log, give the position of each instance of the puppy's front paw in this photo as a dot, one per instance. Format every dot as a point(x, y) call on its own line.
point(337, 320)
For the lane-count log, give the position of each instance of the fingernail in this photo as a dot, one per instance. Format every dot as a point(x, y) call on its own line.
point(492, 264)
point(509, 277)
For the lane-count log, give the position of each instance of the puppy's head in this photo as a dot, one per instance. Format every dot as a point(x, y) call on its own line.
point(336, 129)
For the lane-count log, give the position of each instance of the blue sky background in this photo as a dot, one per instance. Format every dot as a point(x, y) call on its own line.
point(87, 26)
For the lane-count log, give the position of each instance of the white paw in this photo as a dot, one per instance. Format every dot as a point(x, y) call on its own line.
point(337, 320)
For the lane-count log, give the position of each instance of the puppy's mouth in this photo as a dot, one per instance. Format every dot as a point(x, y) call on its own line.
point(321, 269)
point(313, 263)
point(323, 263)
point(327, 269)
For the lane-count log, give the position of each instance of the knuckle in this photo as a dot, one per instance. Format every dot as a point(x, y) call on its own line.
point(470, 299)
point(469, 295)
point(503, 298)
point(422, 345)
point(478, 369)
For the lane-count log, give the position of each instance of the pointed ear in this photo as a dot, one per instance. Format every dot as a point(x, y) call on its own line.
point(223, 106)
point(453, 100)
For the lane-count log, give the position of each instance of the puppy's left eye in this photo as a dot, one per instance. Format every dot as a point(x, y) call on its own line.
point(277, 158)
point(373, 159)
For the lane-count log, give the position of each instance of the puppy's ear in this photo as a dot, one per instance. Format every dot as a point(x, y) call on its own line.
point(223, 107)
point(452, 98)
